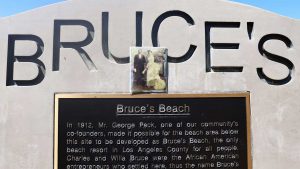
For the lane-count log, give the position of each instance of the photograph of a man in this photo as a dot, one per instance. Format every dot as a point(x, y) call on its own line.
point(139, 69)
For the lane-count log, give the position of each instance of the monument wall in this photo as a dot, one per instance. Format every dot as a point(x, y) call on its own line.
point(214, 46)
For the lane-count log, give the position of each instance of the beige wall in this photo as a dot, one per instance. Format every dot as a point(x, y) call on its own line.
point(26, 113)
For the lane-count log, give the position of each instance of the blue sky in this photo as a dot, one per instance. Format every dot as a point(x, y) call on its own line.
point(289, 8)
point(10, 7)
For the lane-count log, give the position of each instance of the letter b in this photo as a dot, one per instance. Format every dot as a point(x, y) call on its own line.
point(12, 58)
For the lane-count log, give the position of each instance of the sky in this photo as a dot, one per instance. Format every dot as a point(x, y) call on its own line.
point(290, 8)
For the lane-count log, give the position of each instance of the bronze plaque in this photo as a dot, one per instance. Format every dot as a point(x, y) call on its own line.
point(155, 131)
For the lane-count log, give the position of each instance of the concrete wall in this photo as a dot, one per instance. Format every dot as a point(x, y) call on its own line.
point(26, 113)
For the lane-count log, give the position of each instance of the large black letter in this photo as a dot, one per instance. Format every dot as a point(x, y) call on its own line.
point(209, 45)
point(155, 29)
point(57, 44)
point(275, 58)
point(11, 58)
point(105, 41)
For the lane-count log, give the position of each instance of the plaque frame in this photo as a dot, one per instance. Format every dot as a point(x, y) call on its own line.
point(58, 96)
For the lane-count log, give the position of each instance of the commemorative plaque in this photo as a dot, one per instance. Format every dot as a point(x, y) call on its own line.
point(96, 131)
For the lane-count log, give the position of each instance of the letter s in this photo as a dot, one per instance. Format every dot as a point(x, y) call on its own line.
point(275, 58)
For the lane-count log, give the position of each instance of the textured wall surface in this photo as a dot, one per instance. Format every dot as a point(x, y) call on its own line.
point(26, 112)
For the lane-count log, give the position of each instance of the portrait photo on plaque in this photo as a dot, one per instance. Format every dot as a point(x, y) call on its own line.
point(149, 71)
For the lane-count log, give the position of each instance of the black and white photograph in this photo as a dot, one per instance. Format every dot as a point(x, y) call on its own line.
point(148, 69)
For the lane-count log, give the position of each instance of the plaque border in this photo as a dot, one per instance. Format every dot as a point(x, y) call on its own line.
point(58, 96)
